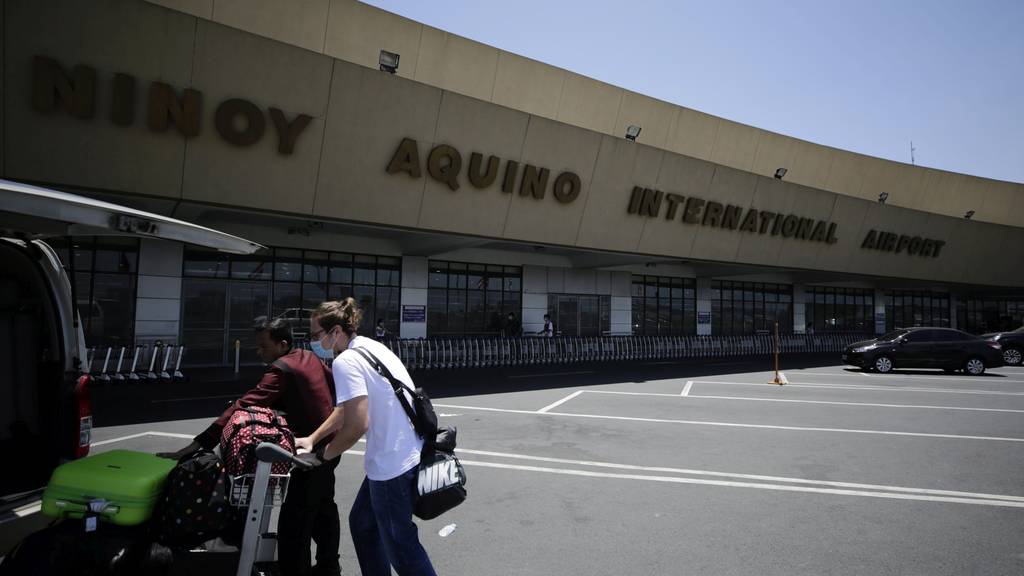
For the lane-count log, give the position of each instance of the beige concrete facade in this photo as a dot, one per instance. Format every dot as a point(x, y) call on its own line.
point(355, 32)
point(359, 116)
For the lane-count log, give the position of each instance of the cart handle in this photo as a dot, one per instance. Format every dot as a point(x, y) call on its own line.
point(268, 452)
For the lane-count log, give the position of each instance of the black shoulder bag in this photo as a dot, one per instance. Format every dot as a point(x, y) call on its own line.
point(440, 480)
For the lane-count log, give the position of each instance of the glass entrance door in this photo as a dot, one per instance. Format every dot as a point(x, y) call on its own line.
point(579, 314)
point(567, 317)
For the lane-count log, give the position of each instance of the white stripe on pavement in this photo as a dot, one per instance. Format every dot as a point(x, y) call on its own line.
point(736, 424)
point(991, 379)
point(869, 387)
point(753, 399)
point(814, 486)
point(140, 435)
point(686, 389)
point(780, 487)
point(876, 487)
point(560, 402)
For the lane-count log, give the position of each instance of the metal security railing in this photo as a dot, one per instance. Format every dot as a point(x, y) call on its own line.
point(159, 362)
point(479, 352)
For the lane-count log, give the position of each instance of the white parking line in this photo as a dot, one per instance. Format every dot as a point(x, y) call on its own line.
point(560, 402)
point(870, 387)
point(733, 484)
point(686, 389)
point(753, 399)
point(760, 477)
point(140, 435)
point(896, 374)
point(736, 424)
point(812, 486)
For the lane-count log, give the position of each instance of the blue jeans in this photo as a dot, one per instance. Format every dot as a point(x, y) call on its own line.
point(382, 529)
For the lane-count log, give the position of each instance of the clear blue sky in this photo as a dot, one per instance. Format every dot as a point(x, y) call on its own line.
point(862, 75)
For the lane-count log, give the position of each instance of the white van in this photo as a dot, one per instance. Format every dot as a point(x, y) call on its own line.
point(45, 409)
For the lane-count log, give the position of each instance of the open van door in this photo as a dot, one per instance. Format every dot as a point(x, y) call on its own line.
point(45, 407)
point(34, 212)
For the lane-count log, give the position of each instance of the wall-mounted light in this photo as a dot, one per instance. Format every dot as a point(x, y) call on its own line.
point(883, 197)
point(388, 61)
point(969, 214)
point(632, 132)
point(780, 172)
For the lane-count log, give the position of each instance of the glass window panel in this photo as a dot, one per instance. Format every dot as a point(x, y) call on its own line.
point(313, 295)
point(339, 291)
point(637, 313)
point(115, 258)
point(438, 277)
point(340, 274)
point(365, 259)
point(315, 267)
point(513, 284)
point(203, 305)
point(286, 297)
point(456, 310)
point(437, 311)
point(203, 264)
point(287, 267)
point(476, 317)
point(388, 298)
point(112, 322)
point(387, 277)
point(365, 276)
point(82, 253)
point(365, 296)
point(249, 269)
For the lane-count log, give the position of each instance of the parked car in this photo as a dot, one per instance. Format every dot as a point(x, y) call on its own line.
point(925, 348)
point(45, 407)
point(1012, 343)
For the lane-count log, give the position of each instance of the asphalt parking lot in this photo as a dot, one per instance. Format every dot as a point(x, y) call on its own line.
point(708, 469)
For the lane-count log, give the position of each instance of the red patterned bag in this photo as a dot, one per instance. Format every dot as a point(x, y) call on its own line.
point(246, 429)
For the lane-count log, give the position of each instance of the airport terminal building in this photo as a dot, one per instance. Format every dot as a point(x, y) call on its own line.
point(446, 184)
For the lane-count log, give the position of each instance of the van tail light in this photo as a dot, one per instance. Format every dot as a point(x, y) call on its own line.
point(83, 417)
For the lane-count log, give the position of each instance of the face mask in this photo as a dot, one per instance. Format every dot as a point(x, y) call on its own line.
point(320, 351)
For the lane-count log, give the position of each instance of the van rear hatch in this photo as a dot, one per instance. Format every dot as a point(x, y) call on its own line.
point(34, 212)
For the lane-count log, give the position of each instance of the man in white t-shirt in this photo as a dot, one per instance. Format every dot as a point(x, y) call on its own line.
point(380, 521)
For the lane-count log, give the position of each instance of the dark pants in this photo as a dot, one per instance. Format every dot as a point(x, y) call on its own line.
point(309, 513)
point(382, 529)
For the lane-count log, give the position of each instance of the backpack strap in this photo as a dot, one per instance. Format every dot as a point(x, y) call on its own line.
point(396, 384)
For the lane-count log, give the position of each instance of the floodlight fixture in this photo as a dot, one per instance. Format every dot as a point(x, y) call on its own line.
point(969, 214)
point(780, 172)
point(388, 61)
point(632, 132)
point(883, 197)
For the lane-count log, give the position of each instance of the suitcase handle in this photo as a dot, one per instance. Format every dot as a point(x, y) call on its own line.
point(69, 507)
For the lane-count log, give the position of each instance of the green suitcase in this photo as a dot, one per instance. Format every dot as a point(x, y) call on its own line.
point(121, 487)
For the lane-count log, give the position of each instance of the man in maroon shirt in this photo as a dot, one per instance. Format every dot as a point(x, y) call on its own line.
point(297, 383)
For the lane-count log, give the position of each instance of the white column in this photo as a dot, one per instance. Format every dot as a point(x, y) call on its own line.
point(622, 304)
point(703, 306)
point(799, 309)
point(158, 296)
point(415, 274)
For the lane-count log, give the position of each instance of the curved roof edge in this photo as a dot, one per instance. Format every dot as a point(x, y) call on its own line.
point(352, 31)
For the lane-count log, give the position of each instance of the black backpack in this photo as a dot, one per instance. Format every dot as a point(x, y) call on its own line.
point(195, 506)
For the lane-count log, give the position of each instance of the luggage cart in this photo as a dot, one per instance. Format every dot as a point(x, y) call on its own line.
point(260, 493)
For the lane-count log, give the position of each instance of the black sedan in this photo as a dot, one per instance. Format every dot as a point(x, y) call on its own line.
point(1012, 343)
point(925, 348)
